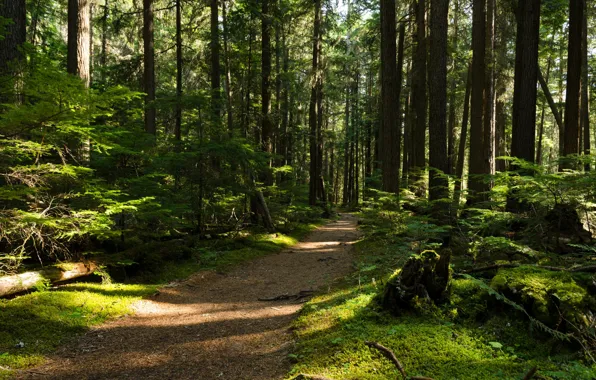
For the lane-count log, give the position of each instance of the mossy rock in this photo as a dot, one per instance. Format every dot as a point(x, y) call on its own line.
point(491, 249)
point(551, 297)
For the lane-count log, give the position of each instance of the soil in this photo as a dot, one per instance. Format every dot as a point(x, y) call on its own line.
point(212, 325)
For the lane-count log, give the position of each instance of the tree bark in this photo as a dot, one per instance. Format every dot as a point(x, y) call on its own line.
point(79, 43)
point(419, 99)
point(574, 63)
point(585, 92)
point(149, 70)
point(15, 35)
point(526, 74)
point(489, 94)
point(178, 126)
point(550, 100)
point(266, 122)
point(23, 282)
point(459, 169)
point(226, 37)
point(390, 93)
point(542, 112)
point(452, 92)
point(313, 114)
point(215, 66)
point(438, 160)
point(477, 168)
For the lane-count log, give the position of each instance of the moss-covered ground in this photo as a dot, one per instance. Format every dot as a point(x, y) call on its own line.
point(474, 336)
point(33, 325)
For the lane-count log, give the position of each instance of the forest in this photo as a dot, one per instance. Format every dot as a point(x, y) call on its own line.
point(293, 189)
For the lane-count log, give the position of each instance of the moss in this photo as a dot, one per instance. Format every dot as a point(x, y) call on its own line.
point(545, 293)
point(35, 324)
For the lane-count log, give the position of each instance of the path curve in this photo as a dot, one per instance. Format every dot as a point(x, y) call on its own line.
point(212, 325)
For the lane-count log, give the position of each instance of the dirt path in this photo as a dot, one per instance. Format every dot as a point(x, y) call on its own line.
point(212, 326)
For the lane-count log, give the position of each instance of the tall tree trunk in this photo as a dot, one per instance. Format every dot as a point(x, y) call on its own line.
point(313, 117)
point(103, 59)
point(585, 92)
point(476, 162)
point(178, 125)
point(574, 63)
point(390, 93)
point(452, 93)
point(489, 93)
point(226, 37)
point(215, 67)
point(149, 63)
point(266, 122)
point(437, 79)
point(459, 169)
point(526, 74)
point(542, 114)
point(419, 99)
point(346, 196)
point(15, 34)
point(79, 42)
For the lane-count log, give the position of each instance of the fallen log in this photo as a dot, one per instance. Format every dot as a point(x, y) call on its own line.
point(22, 282)
point(586, 269)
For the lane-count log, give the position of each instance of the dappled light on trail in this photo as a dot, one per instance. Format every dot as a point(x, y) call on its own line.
point(233, 325)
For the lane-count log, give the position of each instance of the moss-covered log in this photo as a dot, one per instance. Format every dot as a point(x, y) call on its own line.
point(23, 282)
point(425, 276)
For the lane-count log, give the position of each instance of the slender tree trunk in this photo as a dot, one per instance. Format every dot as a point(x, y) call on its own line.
point(419, 100)
point(178, 126)
point(215, 66)
point(79, 43)
point(390, 94)
point(266, 122)
point(103, 59)
point(246, 118)
point(585, 92)
point(452, 92)
point(226, 37)
point(477, 167)
point(550, 100)
point(149, 61)
point(438, 160)
point(459, 170)
point(346, 197)
point(313, 117)
point(489, 94)
point(542, 114)
point(574, 63)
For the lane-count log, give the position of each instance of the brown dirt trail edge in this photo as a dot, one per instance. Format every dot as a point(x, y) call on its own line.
point(212, 325)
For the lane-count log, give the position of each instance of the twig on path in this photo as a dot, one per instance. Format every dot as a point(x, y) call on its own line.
point(283, 297)
point(389, 355)
point(531, 373)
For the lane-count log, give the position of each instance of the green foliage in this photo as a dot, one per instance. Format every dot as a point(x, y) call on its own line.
point(35, 324)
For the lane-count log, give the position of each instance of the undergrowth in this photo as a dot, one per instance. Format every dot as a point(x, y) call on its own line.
point(474, 336)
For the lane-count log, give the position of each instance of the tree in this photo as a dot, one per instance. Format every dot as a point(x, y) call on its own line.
point(79, 39)
point(215, 67)
point(419, 99)
point(526, 75)
point(314, 110)
point(149, 66)
point(574, 63)
point(178, 126)
point(437, 79)
point(477, 167)
point(14, 35)
point(266, 122)
point(389, 134)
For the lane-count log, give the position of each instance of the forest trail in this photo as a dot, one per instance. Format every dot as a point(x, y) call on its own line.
point(212, 326)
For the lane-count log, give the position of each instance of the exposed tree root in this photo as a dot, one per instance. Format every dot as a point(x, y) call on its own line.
point(283, 297)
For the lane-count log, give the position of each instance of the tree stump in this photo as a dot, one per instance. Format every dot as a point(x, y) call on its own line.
point(425, 276)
